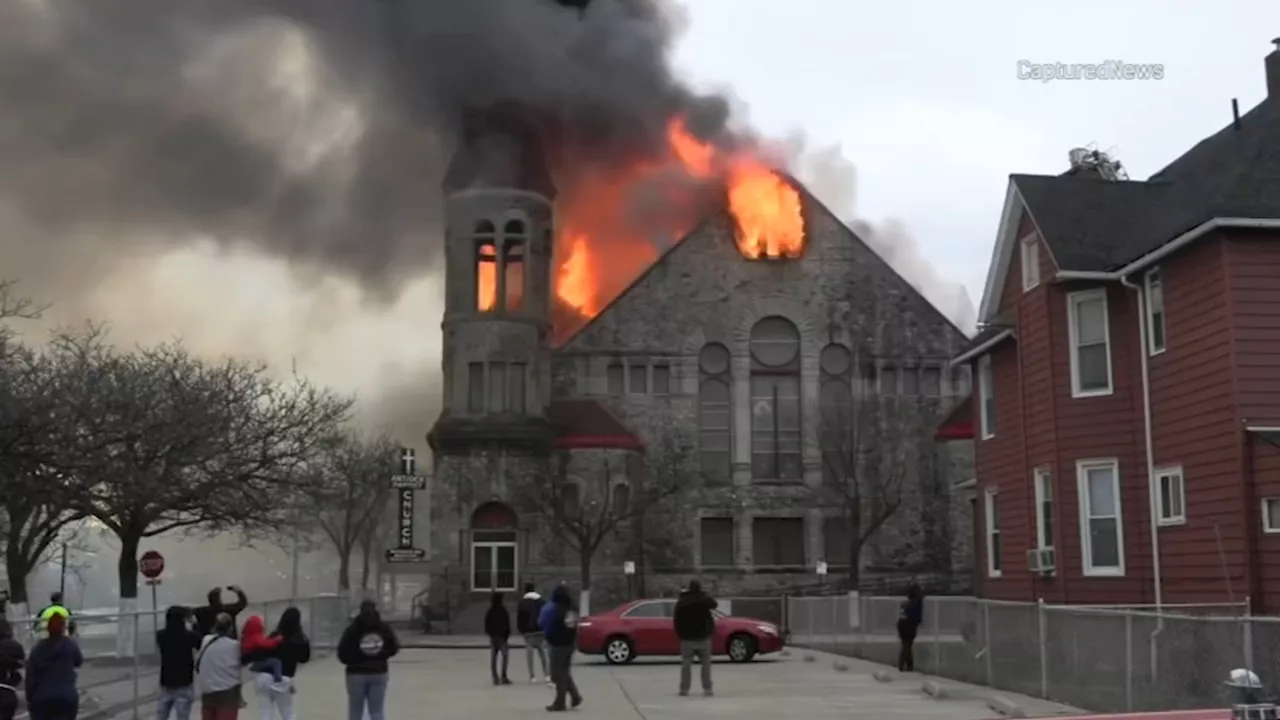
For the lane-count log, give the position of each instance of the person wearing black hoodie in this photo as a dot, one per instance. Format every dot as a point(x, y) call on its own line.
point(294, 650)
point(559, 622)
point(177, 644)
point(527, 611)
point(910, 615)
point(365, 647)
point(497, 625)
point(51, 674)
point(206, 616)
point(694, 625)
point(12, 659)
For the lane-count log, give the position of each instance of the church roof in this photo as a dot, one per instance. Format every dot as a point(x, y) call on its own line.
point(583, 423)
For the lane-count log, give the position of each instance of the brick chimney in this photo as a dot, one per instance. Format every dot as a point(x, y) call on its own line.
point(1273, 71)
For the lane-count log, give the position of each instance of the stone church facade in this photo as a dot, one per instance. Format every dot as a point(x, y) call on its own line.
point(722, 363)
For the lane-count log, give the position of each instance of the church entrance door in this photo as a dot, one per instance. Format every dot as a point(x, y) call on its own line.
point(493, 566)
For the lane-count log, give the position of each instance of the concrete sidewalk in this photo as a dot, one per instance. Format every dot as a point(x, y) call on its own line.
point(446, 684)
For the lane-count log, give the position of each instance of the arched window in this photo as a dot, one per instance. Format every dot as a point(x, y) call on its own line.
point(775, 400)
point(486, 265)
point(715, 422)
point(513, 249)
point(621, 500)
point(835, 401)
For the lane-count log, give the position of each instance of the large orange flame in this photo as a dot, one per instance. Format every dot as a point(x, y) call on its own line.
point(606, 238)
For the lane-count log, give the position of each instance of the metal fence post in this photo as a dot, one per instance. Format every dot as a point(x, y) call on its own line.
point(986, 639)
point(808, 630)
point(1248, 635)
point(1128, 662)
point(1043, 647)
point(937, 634)
point(836, 628)
point(137, 660)
point(311, 620)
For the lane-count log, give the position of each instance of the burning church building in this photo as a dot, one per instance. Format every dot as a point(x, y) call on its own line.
point(688, 366)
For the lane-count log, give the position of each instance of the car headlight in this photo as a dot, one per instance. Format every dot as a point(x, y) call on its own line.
point(767, 629)
point(584, 623)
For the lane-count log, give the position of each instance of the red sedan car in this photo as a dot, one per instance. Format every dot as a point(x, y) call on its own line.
point(645, 627)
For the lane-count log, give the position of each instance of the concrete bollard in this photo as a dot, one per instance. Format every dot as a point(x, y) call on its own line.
point(839, 666)
point(1005, 706)
point(883, 676)
point(935, 689)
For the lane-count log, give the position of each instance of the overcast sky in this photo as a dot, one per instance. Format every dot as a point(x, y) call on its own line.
point(924, 95)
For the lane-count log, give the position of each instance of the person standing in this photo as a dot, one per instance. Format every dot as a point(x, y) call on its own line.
point(12, 659)
point(694, 625)
point(207, 616)
point(497, 625)
point(55, 607)
point(51, 674)
point(910, 615)
point(365, 647)
point(218, 671)
point(559, 623)
point(527, 611)
point(293, 650)
point(177, 644)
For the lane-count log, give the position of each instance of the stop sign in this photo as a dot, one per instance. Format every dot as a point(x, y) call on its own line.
point(151, 564)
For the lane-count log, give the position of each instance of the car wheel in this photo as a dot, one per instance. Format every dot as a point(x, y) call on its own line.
point(618, 650)
point(742, 647)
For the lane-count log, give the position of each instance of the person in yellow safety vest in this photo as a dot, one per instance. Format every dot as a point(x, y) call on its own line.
point(55, 607)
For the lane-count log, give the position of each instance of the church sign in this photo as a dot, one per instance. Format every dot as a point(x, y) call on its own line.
point(406, 484)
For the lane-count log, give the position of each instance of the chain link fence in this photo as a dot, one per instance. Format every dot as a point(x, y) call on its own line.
point(1104, 659)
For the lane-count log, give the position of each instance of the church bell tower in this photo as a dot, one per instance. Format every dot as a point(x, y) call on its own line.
point(499, 223)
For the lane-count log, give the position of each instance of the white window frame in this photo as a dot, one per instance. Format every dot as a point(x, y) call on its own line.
point(1044, 495)
point(1030, 254)
point(1165, 517)
point(1267, 526)
point(986, 386)
point(1147, 294)
point(992, 534)
point(1074, 300)
point(1082, 490)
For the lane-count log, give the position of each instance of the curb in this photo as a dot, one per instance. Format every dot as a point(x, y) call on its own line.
point(1005, 706)
point(882, 676)
point(934, 689)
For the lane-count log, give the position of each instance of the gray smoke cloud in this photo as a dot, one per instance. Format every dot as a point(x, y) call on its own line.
point(262, 176)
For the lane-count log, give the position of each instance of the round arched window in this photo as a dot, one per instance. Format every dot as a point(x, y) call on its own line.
point(835, 360)
point(775, 342)
point(714, 359)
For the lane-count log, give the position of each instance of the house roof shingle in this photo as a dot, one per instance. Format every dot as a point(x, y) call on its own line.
point(1099, 225)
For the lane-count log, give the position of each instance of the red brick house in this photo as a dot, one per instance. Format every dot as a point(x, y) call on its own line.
point(1126, 413)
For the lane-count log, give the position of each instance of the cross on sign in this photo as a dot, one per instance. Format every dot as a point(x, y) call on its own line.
point(406, 461)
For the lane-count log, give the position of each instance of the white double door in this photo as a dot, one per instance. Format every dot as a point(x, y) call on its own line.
point(493, 566)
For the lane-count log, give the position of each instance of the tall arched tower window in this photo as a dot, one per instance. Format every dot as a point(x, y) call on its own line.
point(775, 400)
point(514, 242)
point(714, 419)
point(835, 401)
point(486, 266)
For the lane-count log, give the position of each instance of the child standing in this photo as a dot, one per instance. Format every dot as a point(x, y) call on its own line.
point(255, 649)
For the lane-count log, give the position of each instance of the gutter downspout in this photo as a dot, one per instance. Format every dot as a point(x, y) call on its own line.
point(1153, 492)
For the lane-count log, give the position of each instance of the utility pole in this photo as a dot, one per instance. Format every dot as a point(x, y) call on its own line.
point(62, 581)
point(293, 572)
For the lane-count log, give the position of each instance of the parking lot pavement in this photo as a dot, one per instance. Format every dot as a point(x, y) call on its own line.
point(445, 683)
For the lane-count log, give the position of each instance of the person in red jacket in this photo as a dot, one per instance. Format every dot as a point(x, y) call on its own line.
point(257, 648)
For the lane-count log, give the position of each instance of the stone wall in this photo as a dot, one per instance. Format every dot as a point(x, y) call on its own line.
point(839, 292)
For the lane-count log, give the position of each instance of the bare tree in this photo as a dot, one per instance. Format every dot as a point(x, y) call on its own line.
point(864, 466)
point(157, 440)
point(588, 496)
point(345, 491)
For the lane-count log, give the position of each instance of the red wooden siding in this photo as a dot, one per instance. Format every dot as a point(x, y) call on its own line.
point(1193, 426)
